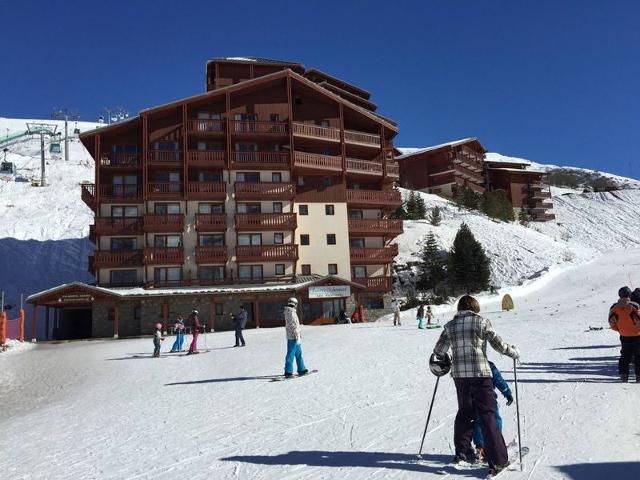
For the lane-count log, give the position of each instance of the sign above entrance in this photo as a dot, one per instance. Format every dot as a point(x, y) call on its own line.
point(75, 297)
point(331, 291)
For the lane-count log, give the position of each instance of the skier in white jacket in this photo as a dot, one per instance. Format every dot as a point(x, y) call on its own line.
point(294, 349)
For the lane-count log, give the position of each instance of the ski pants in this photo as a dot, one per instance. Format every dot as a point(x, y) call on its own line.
point(177, 345)
point(294, 350)
point(156, 347)
point(396, 318)
point(478, 439)
point(194, 343)
point(420, 322)
point(630, 352)
point(477, 395)
point(239, 337)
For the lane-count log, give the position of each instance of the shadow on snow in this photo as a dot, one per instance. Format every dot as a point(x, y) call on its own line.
point(597, 471)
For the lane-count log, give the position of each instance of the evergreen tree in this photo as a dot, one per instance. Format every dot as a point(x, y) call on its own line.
point(496, 204)
point(432, 271)
point(411, 207)
point(436, 217)
point(468, 264)
point(421, 208)
point(470, 199)
point(523, 217)
point(489, 205)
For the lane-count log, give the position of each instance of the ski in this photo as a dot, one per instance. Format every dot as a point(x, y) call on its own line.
point(281, 378)
point(514, 459)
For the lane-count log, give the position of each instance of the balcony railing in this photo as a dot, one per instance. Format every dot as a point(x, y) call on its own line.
point(266, 253)
point(163, 255)
point(164, 190)
point(203, 158)
point(121, 192)
point(207, 190)
point(206, 126)
point(393, 169)
point(366, 167)
point(268, 160)
point(541, 194)
point(88, 195)
point(315, 161)
point(211, 254)
point(121, 159)
point(211, 222)
point(113, 259)
point(118, 225)
point(264, 191)
point(362, 138)
point(378, 256)
point(168, 222)
point(375, 226)
point(164, 156)
point(316, 131)
point(375, 284)
point(254, 127)
point(374, 198)
point(265, 221)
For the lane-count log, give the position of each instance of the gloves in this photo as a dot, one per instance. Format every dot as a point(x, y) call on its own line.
point(514, 352)
point(509, 400)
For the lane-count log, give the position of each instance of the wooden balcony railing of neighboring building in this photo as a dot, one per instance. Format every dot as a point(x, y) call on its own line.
point(211, 222)
point(164, 156)
point(241, 127)
point(167, 222)
point(531, 188)
point(469, 175)
point(211, 254)
point(115, 259)
point(206, 158)
point(364, 167)
point(374, 198)
point(377, 256)
point(121, 159)
point(266, 253)
point(260, 160)
point(362, 138)
point(316, 161)
point(162, 190)
point(163, 255)
point(207, 190)
point(465, 162)
point(88, 195)
point(375, 284)
point(393, 170)
point(265, 221)
point(121, 193)
point(264, 191)
point(206, 126)
point(118, 225)
point(316, 131)
point(376, 227)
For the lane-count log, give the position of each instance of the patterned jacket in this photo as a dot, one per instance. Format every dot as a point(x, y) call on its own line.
point(467, 335)
point(292, 324)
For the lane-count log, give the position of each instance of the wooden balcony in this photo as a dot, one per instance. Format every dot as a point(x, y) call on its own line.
point(469, 175)
point(209, 254)
point(207, 190)
point(317, 162)
point(118, 226)
point(172, 222)
point(531, 188)
point(260, 160)
point(121, 159)
point(121, 193)
point(375, 227)
point(88, 195)
point(239, 127)
point(316, 132)
point(393, 170)
point(265, 221)
point(364, 167)
point(206, 158)
point(206, 127)
point(264, 191)
point(267, 253)
point(109, 259)
point(362, 138)
point(211, 222)
point(375, 284)
point(163, 255)
point(373, 256)
point(386, 199)
point(164, 157)
point(164, 190)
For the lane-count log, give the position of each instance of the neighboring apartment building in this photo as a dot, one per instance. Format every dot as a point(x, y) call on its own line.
point(442, 169)
point(277, 181)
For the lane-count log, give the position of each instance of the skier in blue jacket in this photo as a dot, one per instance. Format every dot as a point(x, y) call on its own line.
point(501, 385)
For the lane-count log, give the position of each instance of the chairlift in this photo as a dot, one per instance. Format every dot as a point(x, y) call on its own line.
point(76, 130)
point(7, 168)
point(55, 147)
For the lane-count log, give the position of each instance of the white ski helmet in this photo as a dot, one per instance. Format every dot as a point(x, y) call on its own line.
point(194, 312)
point(439, 366)
point(292, 302)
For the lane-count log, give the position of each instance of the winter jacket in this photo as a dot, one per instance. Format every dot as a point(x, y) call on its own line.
point(292, 323)
point(240, 320)
point(395, 306)
point(467, 335)
point(625, 319)
point(499, 382)
point(157, 337)
point(195, 324)
point(420, 313)
point(179, 327)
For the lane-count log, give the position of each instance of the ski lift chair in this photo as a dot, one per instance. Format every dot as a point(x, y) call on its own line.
point(55, 147)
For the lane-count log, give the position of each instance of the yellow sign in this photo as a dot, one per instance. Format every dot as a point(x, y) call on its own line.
point(507, 303)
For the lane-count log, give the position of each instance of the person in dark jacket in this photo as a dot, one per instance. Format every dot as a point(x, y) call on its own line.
point(239, 324)
point(194, 323)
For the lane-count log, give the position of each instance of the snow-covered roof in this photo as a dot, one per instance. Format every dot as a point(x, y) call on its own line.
point(492, 157)
point(409, 151)
point(517, 170)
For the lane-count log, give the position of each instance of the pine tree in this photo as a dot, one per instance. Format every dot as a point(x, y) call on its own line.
point(523, 217)
point(468, 264)
point(436, 217)
point(421, 207)
point(496, 204)
point(411, 207)
point(470, 199)
point(432, 271)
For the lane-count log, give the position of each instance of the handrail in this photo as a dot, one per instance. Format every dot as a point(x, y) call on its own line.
point(316, 160)
point(364, 166)
point(251, 126)
point(205, 125)
point(267, 190)
point(207, 156)
point(309, 130)
point(211, 220)
point(266, 253)
point(266, 221)
point(164, 155)
point(374, 197)
point(362, 137)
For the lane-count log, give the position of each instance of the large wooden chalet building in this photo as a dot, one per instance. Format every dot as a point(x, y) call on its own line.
point(276, 182)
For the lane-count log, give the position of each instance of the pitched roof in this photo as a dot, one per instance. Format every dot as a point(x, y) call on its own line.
point(408, 152)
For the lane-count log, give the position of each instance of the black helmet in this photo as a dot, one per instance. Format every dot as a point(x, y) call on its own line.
point(439, 366)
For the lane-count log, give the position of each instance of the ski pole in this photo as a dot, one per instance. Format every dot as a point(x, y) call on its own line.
point(429, 415)
point(515, 381)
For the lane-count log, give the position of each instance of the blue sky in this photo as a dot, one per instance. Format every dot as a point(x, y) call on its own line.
point(553, 81)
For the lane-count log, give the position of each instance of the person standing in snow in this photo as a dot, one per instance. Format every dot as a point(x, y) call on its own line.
point(395, 308)
point(194, 323)
point(420, 316)
point(239, 323)
point(157, 338)
point(429, 315)
point(624, 318)
point(467, 336)
point(179, 329)
point(294, 349)
point(635, 296)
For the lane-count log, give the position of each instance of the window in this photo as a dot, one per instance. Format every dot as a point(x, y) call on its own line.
point(276, 148)
point(359, 272)
point(164, 241)
point(278, 238)
point(328, 181)
point(211, 240)
point(211, 147)
point(211, 208)
point(331, 238)
point(277, 207)
point(279, 269)
point(208, 115)
point(249, 239)
point(125, 185)
point(274, 117)
point(355, 214)
point(333, 269)
point(122, 278)
point(276, 177)
point(297, 100)
point(303, 209)
point(124, 211)
point(219, 309)
point(356, 242)
point(209, 177)
point(166, 208)
point(300, 181)
point(272, 312)
point(250, 272)
point(124, 244)
point(329, 210)
point(169, 275)
point(211, 274)
point(253, 177)
point(249, 208)
point(165, 146)
point(325, 123)
point(306, 269)
point(372, 303)
point(246, 148)
point(304, 239)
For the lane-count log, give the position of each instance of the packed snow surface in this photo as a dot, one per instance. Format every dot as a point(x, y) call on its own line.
point(106, 410)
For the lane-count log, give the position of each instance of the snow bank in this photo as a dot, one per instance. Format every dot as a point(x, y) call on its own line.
point(15, 346)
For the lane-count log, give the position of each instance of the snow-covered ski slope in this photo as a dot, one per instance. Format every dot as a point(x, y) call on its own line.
point(92, 410)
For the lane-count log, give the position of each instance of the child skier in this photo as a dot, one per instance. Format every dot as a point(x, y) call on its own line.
point(501, 385)
point(429, 315)
point(179, 329)
point(294, 349)
point(157, 338)
point(420, 316)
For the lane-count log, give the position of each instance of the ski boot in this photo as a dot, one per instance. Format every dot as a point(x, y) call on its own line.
point(303, 372)
point(624, 378)
point(496, 469)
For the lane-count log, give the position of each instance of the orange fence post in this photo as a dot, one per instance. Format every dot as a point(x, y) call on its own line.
point(22, 324)
point(3, 330)
point(34, 323)
point(361, 313)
